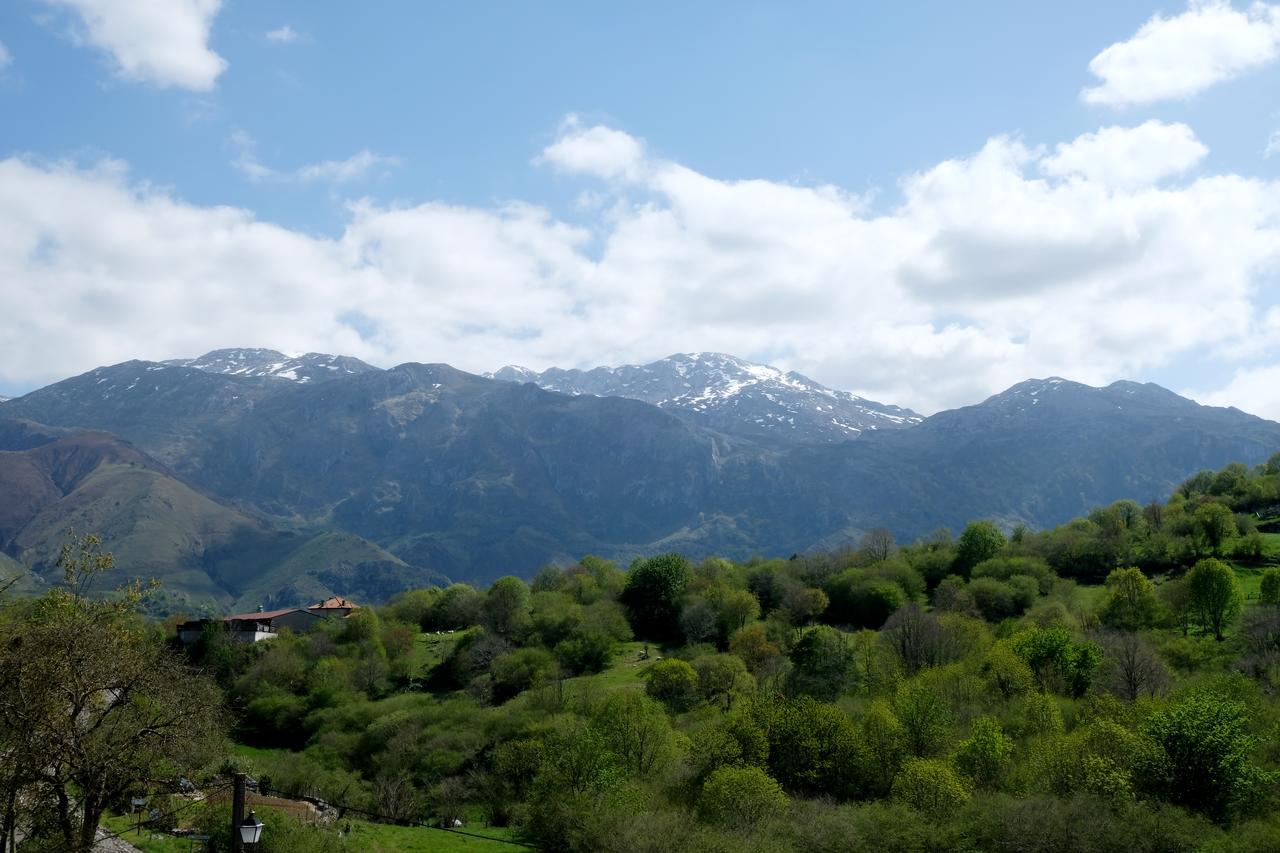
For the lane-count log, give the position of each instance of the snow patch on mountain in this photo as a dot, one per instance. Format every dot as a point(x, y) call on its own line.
point(731, 395)
point(310, 367)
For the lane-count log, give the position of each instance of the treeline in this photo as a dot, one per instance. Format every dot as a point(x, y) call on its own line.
point(1222, 513)
point(973, 693)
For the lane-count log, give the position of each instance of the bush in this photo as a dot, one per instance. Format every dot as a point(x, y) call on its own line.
point(1004, 568)
point(986, 752)
point(863, 601)
point(1269, 591)
point(1131, 601)
point(823, 663)
point(998, 600)
point(740, 797)
point(931, 786)
point(722, 679)
point(814, 748)
point(586, 651)
point(519, 670)
point(674, 683)
point(1206, 763)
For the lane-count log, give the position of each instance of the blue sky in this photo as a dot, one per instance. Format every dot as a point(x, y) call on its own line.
point(883, 196)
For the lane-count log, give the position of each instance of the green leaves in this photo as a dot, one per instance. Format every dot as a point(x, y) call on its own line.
point(1215, 595)
point(1205, 762)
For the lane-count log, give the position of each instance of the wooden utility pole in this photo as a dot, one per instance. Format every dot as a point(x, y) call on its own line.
point(237, 813)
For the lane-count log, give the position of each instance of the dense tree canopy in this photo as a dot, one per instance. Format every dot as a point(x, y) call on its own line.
point(1106, 685)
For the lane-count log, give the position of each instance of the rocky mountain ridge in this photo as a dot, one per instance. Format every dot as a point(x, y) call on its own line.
point(423, 469)
point(730, 395)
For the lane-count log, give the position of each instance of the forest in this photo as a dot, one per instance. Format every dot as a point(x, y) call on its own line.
point(1106, 685)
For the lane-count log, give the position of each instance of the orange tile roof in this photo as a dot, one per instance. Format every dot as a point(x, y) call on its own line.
point(334, 602)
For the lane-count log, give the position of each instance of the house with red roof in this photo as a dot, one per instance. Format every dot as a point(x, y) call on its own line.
point(334, 605)
point(265, 624)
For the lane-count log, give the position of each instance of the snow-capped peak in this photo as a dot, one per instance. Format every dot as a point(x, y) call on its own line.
point(730, 394)
point(309, 367)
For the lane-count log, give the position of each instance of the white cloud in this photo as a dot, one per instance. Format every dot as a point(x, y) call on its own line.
point(1128, 156)
point(163, 43)
point(282, 35)
point(6, 58)
point(354, 168)
point(1255, 390)
point(988, 271)
point(598, 150)
point(1273, 144)
point(1178, 57)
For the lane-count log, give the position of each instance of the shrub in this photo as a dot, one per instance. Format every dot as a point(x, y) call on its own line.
point(814, 748)
point(674, 683)
point(740, 797)
point(519, 670)
point(931, 786)
point(983, 756)
point(1269, 591)
point(823, 663)
point(1131, 601)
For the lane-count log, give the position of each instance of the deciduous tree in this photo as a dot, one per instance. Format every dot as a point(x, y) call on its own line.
point(92, 705)
point(1215, 595)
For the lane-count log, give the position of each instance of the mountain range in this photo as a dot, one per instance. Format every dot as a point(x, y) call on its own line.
point(248, 476)
point(731, 396)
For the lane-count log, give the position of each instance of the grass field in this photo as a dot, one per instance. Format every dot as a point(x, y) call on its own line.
point(626, 671)
point(148, 841)
point(430, 650)
point(383, 838)
point(380, 838)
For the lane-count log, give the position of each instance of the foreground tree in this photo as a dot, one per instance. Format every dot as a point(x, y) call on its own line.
point(93, 705)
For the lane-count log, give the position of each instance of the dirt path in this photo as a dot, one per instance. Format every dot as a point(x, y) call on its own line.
point(113, 845)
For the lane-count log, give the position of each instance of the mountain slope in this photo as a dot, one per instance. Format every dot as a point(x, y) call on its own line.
point(1042, 452)
point(732, 396)
point(267, 363)
point(157, 526)
point(435, 468)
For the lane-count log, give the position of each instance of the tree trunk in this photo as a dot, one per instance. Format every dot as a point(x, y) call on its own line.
point(6, 829)
point(64, 816)
point(91, 816)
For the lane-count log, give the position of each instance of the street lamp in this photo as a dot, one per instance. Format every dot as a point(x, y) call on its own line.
point(244, 830)
point(251, 829)
point(138, 803)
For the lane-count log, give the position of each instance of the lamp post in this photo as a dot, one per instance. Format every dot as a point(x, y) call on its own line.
point(250, 829)
point(138, 804)
point(244, 830)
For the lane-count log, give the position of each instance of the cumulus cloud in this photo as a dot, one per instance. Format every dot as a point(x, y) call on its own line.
point(1178, 57)
point(1254, 389)
point(993, 267)
point(282, 35)
point(166, 44)
point(1128, 156)
point(354, 168)
point(598, 150)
